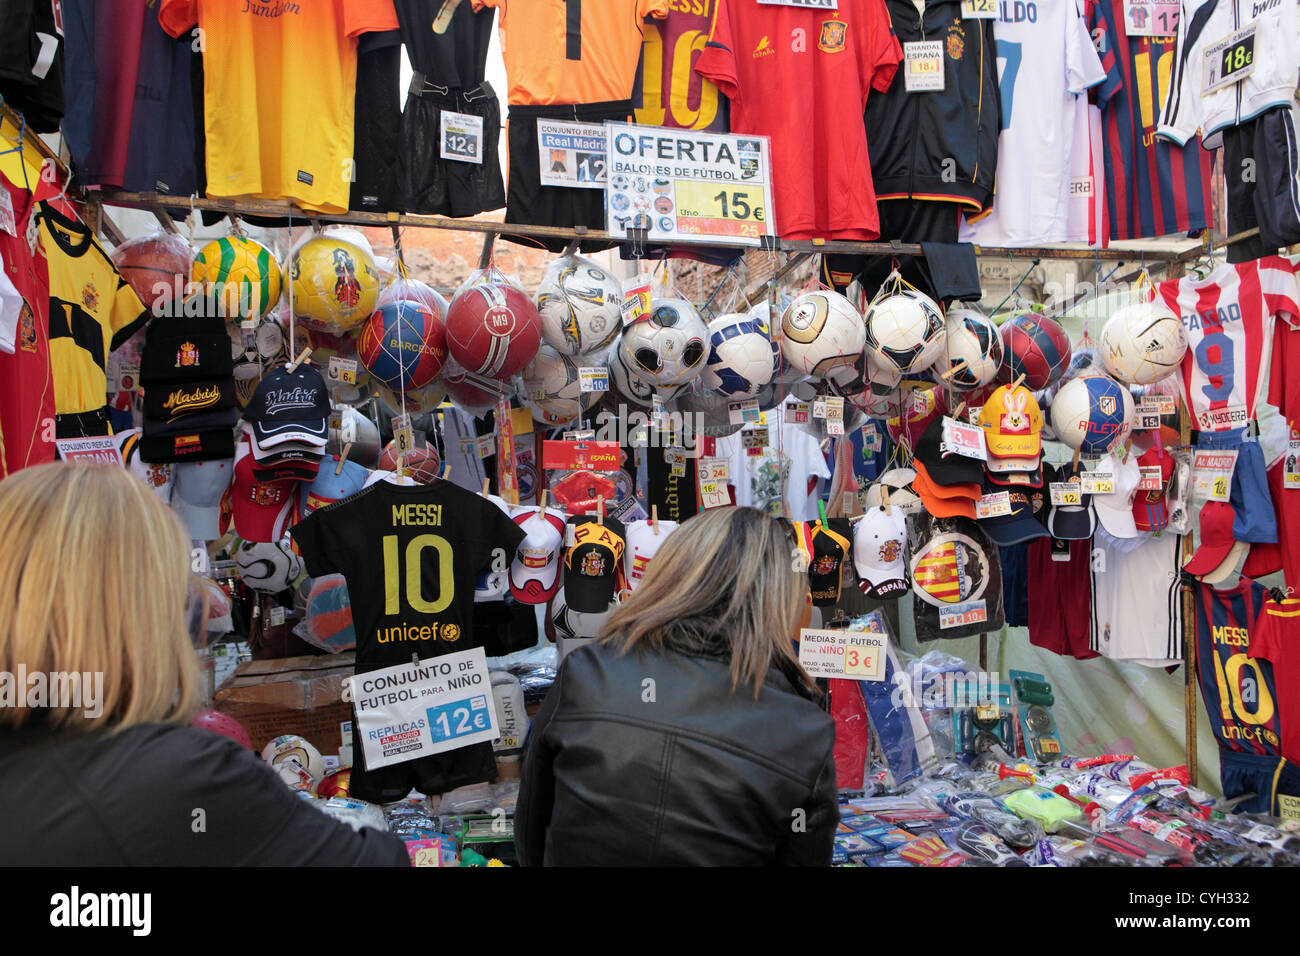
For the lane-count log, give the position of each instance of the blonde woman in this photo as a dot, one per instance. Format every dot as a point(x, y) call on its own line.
point(97, 681)
point(688, 734)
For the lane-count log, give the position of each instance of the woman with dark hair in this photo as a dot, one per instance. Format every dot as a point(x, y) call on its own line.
point(688, 735)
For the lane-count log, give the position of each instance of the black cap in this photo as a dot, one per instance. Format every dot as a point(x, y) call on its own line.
point(1021, 524)
point(290, 406)
point(950, 469)
point(593, 563)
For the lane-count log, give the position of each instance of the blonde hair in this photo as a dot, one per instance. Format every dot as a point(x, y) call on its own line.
point(723, 584)
point(94, 579)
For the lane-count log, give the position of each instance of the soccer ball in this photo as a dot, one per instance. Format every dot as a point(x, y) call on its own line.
point(267, 566)
point(244, 273)
point(972, 339)
point(668, 347)
point(869, 389)
point(905, 332)
point(291, 757)
point(422, 463)
point(715, 418)
point(493, 328)
point(417, 291)
point(742, 356)
point(821, 331)
point(1034, 346)
point(553, 388)
point(155, 267)
point(629, 386)
point(580, 305)
point(403, 345)
point(1143, 343)
point(335, 284)
point(1093, 413)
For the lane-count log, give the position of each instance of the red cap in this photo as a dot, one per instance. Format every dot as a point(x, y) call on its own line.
point(261, 509)
point(1216, 538)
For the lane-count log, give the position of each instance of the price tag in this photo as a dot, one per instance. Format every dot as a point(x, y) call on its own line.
point(855, 655)
point(923, 65)
point(1097, 482)
point(979, 9)
point(1212, 471)
point(1146, 417)
point(962, 439)
point(128, 376)
point(729, 211)
point(636, 298)
point(835, 415)
point(819, 408)
point(97, 451)
point(343, 371)
point(676, 458)
point(7, 221)
point(487, 446)
point(462, 137)
point(1152, 480)
point(1151, 18)
point(967, 612)
point(1065, 493)
point(1291, 468)
point(755, 442)
point(657, 413)
point(974, 414)
point(743, 413)
point(593, 378)
point(571, 154)
point(713, 494)
point(993, 505)
point(402, 434)
point(920, 403)
point(1229, 61)
point(1288, 807)
point(335, 421)
point(798, 413)
point(871, 440)
point(276, 617)
point(416, 710)
point(714, 469)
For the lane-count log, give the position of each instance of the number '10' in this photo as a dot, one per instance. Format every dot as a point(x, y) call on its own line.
point(394, 578)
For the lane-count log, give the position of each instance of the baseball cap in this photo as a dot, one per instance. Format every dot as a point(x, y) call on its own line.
point(826, 545)
point(159, 476)
point(593, 563)
point(175, 401)
point(260, 509)
point(218, 418)
point(1069, 522)
point(899, 482)
point(879, 552)
point(185, 352)
point(196, 495)
point(535, 570)
point(328, 487)
point(1217, 550)
point(944, 501)
point(191, 446)
point(1013, 423)
point(1018, 526)
point(642, 545)
point(290, 407)
point(1150, 512)
point(1028, 473)
point(1115, 511)
point(941, 469)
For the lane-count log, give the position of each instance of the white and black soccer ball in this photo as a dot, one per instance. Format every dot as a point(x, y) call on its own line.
point(905, 332)
point(821, 331)
point(667, 348)
point(627, 385)
point(268, 566)
point(581, 306)
point(552, 388)
point(1143, 343)
point(871, 390)
point(742, 356)
point(974, 345)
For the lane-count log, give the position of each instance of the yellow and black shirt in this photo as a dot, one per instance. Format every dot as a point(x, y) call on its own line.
point(92, 312)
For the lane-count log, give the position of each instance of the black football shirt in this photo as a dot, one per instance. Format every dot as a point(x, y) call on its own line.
point(410, 554)
point(446, 40)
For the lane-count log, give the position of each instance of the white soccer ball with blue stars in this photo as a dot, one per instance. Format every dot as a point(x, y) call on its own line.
point(974, 349)
point(905, 332)
point(742, 356)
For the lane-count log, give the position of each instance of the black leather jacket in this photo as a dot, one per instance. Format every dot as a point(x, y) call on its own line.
point(650, 760)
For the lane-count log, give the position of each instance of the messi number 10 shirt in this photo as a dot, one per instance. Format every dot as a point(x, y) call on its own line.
point(410, 555)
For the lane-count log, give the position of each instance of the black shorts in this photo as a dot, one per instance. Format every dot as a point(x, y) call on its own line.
point(529, 202)
point(92, 424)
point(1261, 169)
point(431, 185)
point(1266, 776)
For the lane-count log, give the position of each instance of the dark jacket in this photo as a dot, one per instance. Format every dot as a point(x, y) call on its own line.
point(159, 795)
point(940, 145)
point(678, 772)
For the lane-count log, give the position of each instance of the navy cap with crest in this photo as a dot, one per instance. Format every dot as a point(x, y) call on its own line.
point(290, 406)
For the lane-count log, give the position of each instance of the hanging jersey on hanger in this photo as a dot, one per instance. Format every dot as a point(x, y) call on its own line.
point(668, 91)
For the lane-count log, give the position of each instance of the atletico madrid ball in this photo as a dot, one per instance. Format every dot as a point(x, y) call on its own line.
point(905, 332)
point(1036, 347)
point(244, 272)
point(155, 267)
point(493, 329)
point(1143, 343)
point(581, 306)
point(821, 331)
point(553, 388)
point(403, 345)
point(974, 349)
point(335, 284)
point(668, 347)
point(742, 356)
point(1093, 413)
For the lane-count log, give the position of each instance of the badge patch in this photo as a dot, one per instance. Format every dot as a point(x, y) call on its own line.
point(834, 35)
point(956, 42)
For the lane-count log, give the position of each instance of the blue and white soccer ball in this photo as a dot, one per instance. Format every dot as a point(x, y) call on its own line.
point(905, 332)
point(742, 356)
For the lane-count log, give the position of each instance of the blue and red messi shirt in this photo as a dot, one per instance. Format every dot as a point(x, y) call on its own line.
point(1153, 188)
point(1239, 690)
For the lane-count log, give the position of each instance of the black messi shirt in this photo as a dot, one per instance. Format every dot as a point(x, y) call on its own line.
point(410, 555)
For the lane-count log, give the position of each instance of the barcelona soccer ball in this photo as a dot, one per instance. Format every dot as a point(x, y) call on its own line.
point(243, 272)
point(403, 345)
point(335, 284)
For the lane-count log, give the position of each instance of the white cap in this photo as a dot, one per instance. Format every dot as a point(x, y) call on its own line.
point(158, 476)
point(492, 585)
point(535, 571)
point(1115, 511)
point(880, 552)
point(196, 495)
point(642, 545)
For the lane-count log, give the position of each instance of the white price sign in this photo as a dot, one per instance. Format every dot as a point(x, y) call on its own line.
point(96, 451)
point(1212, 471)
point(342, 371)
point(994, 505)
point(979, 9)
point(1065, 493)
point(923, 63)
point(835, 415)
point(462, 137)
point(713, 494)
point(1229, 61)
point(871, 440)
point(428, 707)
point(963, 439)
point(571, 154)
point(853, 655)
point(714, 469)
point(1097, 482)
point(1291, 470)
point(798, 413)
point(743, 413)
point(593, 378)
point(1151, 18)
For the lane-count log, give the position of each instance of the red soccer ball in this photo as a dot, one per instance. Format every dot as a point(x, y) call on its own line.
point(1034, 346)
point(493, 329)
point(223, 724)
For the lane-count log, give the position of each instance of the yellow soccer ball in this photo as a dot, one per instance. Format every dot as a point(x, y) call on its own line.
point(244, 272)
point(335, 284)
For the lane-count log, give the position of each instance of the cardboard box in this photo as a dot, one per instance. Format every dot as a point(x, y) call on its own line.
point(290, 695)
